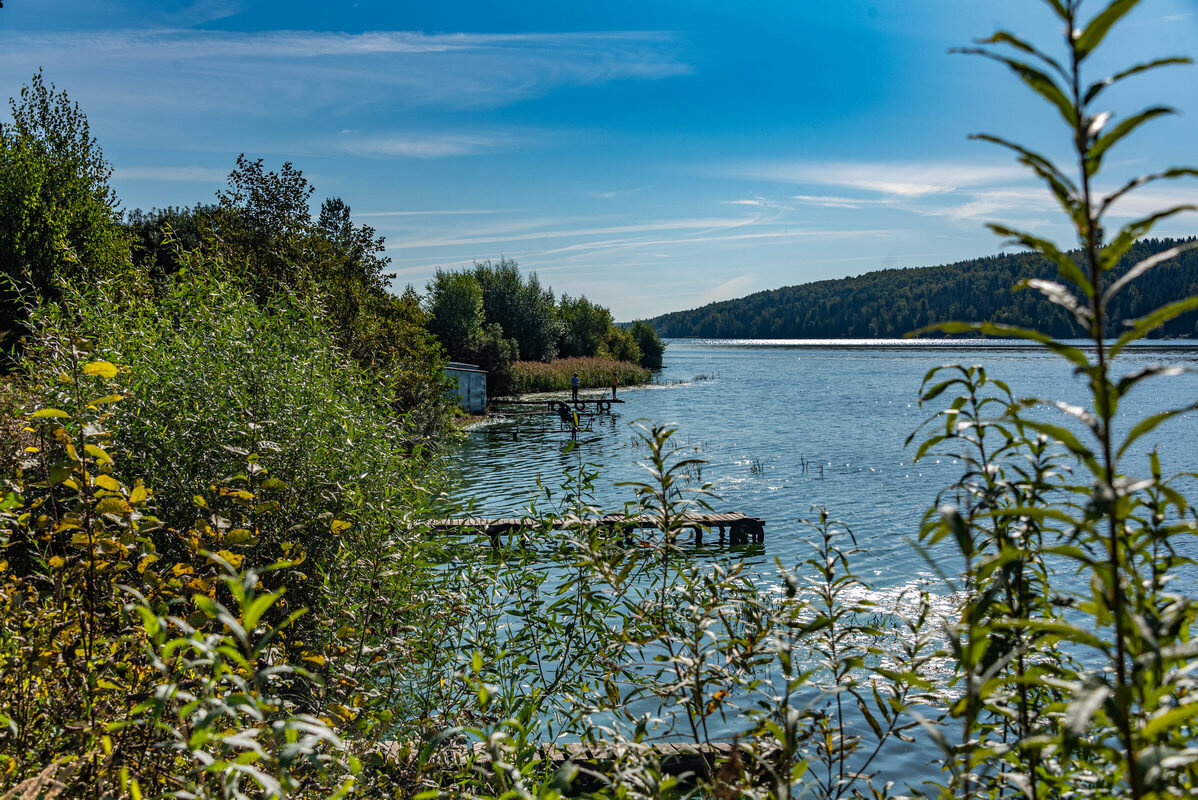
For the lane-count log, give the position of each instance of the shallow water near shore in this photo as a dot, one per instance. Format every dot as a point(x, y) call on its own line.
point(785, 425)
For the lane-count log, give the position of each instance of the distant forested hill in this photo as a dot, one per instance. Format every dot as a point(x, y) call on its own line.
point(891, 302)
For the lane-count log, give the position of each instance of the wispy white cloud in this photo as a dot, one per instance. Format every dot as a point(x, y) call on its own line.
point(758, 202)
point(906, 180)
point(303, 72)
point(201, 11)
point(591, 247)
point(425, 145)
point(616, 193)
point(538, 232)
point(834, 201)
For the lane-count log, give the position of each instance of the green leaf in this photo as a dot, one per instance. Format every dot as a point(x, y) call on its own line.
point(1066, 266)
point(1037, 80)
point(1072, 354)
point(257, 608)
point(1127, 382)
point(1081, 710)
point(1061, 186)
point(1169, 720)
point(1006, 37)
point(1132, 231)
point(1057, 294)
point(1099, 87)
point(1038, 513)
point(1067, 438)
point(1143, 266)
point(1095, 153)
point(1097, 30)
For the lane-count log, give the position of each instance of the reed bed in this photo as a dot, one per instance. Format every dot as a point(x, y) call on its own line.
point(593, 373)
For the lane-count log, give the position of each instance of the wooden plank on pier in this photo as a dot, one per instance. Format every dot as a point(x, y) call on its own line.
point(741, 527)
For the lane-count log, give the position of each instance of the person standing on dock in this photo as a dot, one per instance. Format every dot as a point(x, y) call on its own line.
point(574, 387)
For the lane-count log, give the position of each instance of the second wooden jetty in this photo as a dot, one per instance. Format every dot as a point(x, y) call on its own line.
point(741, 528)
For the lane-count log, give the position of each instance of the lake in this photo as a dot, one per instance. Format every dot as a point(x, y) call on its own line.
point(785, 425)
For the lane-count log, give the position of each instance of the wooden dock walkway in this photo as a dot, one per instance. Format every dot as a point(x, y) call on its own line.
point(741, 528)
point(563, 405)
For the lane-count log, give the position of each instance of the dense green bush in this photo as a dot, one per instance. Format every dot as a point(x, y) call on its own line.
point(124, 671)
point(223, 389)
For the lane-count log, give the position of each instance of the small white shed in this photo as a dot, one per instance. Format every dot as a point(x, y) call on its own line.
point(471, 385)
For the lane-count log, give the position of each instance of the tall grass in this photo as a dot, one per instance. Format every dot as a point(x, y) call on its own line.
point(593, 373)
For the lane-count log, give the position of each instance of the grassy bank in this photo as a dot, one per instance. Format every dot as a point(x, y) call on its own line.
point(593, 372)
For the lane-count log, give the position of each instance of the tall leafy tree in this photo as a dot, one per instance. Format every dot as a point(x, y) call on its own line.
point(585, 326)
point(455, 306)
point(265, 219)
point(526, 311)
point(58, 214)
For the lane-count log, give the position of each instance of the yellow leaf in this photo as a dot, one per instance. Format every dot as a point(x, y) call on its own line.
point(340, 526)
point(108, 482)
point(97, 453)
point(113, 505)
point(103, 369)
point(316, 659)
point(56, 562)
point(49, 412)
point(238, 536)
point(139, 494)
point(233, 559)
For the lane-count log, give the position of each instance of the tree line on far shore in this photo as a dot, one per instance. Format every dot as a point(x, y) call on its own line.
point(890, 303)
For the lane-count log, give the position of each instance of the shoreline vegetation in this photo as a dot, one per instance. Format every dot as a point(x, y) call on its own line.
point(218, 577)
point(594, 372)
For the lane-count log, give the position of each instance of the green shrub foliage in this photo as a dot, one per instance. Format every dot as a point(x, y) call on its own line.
point(1090, 693)
point(58, 218)
point(258, 398)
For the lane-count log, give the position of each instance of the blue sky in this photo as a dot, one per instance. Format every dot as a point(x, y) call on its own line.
point(651, 155)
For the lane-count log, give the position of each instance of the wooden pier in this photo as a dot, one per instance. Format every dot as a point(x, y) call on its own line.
point(564, 406)
point(741, 528)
